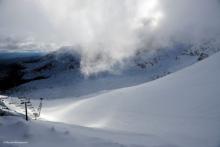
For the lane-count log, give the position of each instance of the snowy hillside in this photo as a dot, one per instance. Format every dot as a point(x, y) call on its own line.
point(114, 73)
point(179, 110)
point(60, 73)
point(182, 108)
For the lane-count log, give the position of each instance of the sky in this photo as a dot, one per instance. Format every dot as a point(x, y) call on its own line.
point(106, 32)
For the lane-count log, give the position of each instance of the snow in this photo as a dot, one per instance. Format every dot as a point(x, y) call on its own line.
point(35, 134)
point(182, 108)
point(178, 110)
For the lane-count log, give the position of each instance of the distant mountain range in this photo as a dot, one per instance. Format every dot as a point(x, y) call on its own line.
point(61, 68)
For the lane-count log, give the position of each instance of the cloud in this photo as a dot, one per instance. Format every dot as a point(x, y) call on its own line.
point(110, 31)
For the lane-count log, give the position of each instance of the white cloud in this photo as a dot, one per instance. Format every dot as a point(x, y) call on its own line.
point(109, 31)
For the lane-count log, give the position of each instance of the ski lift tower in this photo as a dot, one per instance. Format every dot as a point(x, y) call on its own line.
point(24, 101)
point(37, 114)
point(40, 106)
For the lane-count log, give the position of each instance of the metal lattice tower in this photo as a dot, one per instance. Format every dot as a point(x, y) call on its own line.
point(40, 106)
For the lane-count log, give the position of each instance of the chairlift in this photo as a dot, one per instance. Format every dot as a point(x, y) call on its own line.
point(37, 112)
point(35, 115)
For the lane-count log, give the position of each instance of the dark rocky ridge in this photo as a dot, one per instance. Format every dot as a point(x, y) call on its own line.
point(11, 71)
point(15, 70)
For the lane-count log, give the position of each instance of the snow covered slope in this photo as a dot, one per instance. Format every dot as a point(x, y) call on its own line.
point(47, 134)
point(61, 77)
point(182, 108)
